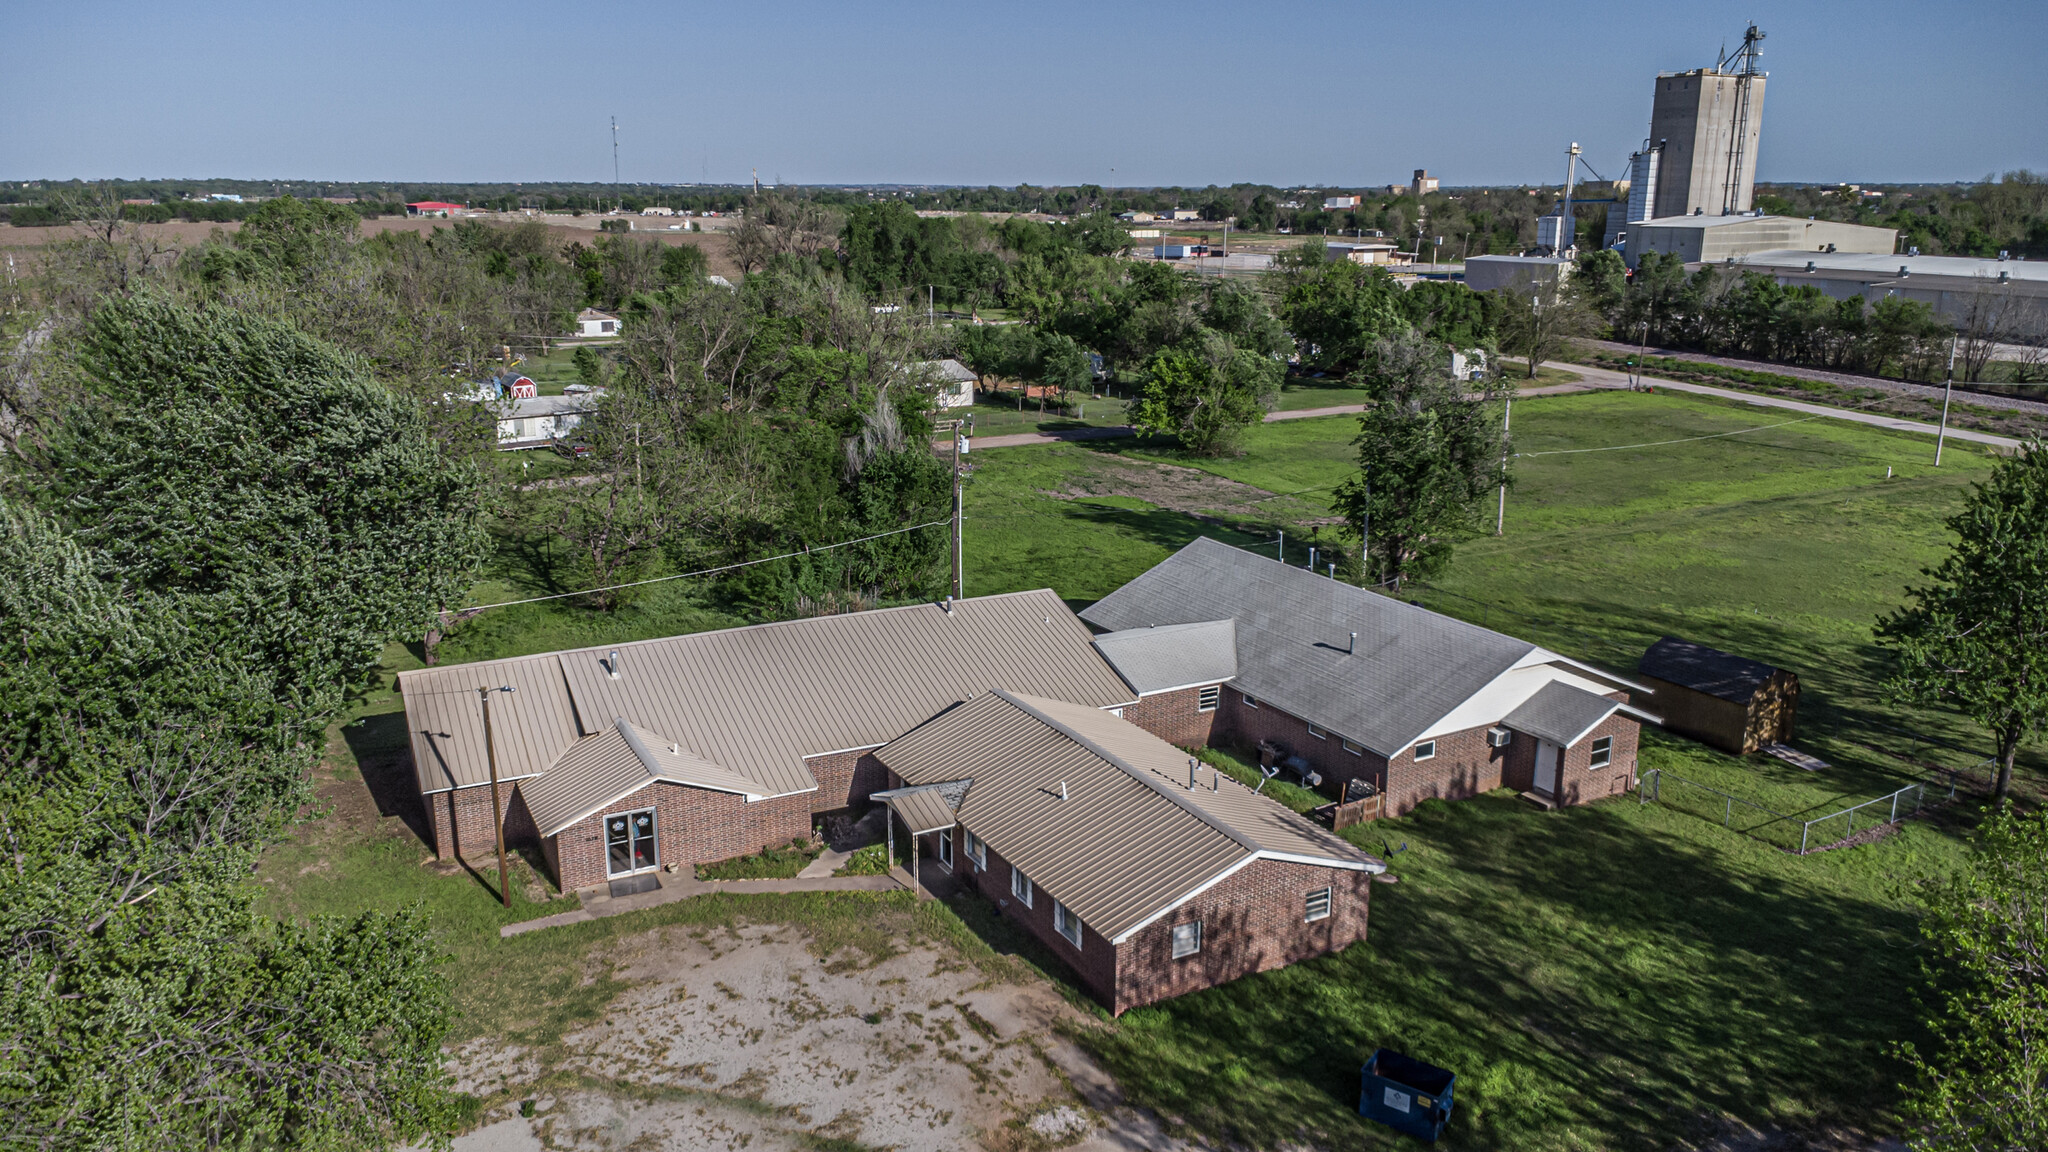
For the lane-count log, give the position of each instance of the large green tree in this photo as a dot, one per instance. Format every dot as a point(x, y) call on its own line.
point(1206, 392)
point(1338, 311)
point(1976, 637)
point(1428, 455)
point(211, 453)
point(1984, 1084)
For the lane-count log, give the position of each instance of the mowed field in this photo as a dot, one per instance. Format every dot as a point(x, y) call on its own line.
point(1613, 976)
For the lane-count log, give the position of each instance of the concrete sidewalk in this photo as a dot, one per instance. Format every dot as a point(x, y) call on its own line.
point(598, 903)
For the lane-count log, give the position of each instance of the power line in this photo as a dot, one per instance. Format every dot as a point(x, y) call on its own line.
point(708, 571)
point(1661, 443)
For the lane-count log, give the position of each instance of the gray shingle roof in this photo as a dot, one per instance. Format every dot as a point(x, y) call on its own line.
point(1410, 668)
point(1172, 656)
point(1130, 840)
point(1693, 665)
point(1561, 713)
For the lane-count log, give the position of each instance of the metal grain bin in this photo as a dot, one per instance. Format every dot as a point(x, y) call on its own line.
point(1405, 1094)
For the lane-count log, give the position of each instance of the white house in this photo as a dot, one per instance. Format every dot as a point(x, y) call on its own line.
point(539, 421)
point(956, 382)
point(1336, 203)
point(591, 322)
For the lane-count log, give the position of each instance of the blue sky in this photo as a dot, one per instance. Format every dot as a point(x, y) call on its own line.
point(1478, 91)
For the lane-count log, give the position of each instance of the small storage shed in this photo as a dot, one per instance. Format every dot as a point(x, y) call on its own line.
point(1718, 698)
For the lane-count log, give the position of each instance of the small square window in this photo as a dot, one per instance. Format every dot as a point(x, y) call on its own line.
point(1354, 749)
point(1187, 939)
point(1250, 703)
point(1067, 924)
point(1318, 905)
point(1426, 750)
point(1020, 886)
point(1603, 752)
point(1211, 696)
point(1318, 733)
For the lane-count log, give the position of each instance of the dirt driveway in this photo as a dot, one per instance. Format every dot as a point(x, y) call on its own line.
point(742, 1037)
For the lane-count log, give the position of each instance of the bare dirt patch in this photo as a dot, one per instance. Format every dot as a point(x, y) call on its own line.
point(744, 1038)
point(1189, 491)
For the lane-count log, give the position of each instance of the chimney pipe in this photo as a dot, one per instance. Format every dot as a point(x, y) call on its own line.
point(612, 667)
point(1354, 645)
point(1063, 789)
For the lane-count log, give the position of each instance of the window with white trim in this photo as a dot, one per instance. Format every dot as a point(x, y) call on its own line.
point(1066, 923)
point(1020, 885)
point(1318, 733)
point(1250, 703)
point(1354, 749)
point(1209, 698)
point(977, 849)
point(1187, 939)
point(946, 847)
point(1426, 750)
point(1317, 906)
point(1117, 712)
point(1603, 752)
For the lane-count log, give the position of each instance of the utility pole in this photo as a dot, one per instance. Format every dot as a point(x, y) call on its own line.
point(1500, 522)
point(497, 811)
point(615, 164)
point(958, 429)
point(1642, 350)
point(1947, 389)
point(1567, 228)
point(1365, 537)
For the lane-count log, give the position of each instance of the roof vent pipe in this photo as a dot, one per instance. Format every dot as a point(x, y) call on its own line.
point(1354, 645)
point(611, 667)
point(1192, 770)
point(948, 605)
point(1063, 789)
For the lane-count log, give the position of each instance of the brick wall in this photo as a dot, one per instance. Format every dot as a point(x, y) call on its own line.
point(1463, 767)
point(462, 822)
point(1578, 782)
point(1251, 922)
point(1094, 962)
point(692, 826)
point(845, 779)
point(1176, 717)
point(1240, 724)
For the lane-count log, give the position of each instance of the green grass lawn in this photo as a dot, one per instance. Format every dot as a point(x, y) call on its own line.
point(1612, 976)
point(778, 863)
point(996, 415)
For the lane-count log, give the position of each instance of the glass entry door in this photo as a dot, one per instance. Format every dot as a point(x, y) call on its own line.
point(630, 842)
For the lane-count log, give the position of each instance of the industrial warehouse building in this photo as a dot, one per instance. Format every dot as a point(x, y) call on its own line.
point(1953, 286)
point(1718, 239)
point(1006, 735)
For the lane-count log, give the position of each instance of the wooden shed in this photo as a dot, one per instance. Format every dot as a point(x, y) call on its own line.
point(1730, 702)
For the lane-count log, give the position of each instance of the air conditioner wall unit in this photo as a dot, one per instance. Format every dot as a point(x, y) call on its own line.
point(1499, 737)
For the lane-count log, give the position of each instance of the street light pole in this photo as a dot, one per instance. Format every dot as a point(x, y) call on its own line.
point(497, 812)
point(1947, 389)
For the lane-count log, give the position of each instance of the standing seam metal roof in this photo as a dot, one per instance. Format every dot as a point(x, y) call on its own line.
point(755, 701)
point(1130, 840)
point(1410, 668)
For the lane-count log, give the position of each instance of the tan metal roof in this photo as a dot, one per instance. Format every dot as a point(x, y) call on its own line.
point(923, 809)
point(532, 724)
point(756, 701)
point(1129, 841)
point(600, 770)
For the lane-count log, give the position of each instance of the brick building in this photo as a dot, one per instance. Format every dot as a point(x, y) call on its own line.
point(1347, 684)
point(1149, 873)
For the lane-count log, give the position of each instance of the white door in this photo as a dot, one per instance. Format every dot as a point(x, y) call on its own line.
point(1547, 757)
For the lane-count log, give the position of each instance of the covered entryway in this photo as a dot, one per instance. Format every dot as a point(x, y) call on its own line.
point(924, 809)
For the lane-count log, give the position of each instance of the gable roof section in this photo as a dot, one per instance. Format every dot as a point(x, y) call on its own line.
point(1690, 664)
point(1131, 841)
point(598, 771)
point(1410, 667)
point(755, 701)
point(531, 725)
point(1174, 656)
point(1560, 713)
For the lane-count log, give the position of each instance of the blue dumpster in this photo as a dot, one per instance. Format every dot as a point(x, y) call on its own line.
point(1405, 1094)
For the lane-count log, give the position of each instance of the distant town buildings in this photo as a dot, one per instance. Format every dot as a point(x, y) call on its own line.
point(1339, 203)
point(431, 208)
point(1423, 184)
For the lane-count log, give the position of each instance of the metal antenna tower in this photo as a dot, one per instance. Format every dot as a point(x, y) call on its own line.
point(1748, 57)
point(615, 161)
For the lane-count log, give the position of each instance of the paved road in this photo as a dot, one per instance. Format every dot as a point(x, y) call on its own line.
point(1963, 395)
point(1019, 439)
point(1602, 377)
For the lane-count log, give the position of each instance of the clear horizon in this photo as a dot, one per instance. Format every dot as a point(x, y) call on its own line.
point(1321, 94)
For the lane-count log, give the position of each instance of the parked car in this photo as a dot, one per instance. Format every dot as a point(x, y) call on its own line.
point(573, 449)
